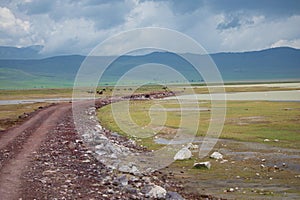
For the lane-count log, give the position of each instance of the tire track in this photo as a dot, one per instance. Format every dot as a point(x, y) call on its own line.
point(10, 174)
point(11, 134)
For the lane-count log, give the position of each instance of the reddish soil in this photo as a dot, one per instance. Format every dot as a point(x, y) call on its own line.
point(18, 144)
point(44, 158)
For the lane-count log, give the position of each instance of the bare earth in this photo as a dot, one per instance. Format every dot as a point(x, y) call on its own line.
point(44, 158)
point(19, 144)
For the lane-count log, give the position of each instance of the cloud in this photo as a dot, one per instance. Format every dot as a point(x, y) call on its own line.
point(12, 28)
point(260, 34)
point(270, 9)
point(150, 13)
point(76, 27)
point(37, 7)
point(290, 43)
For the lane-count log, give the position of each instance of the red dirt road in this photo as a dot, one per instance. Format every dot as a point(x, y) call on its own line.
point(19, 143)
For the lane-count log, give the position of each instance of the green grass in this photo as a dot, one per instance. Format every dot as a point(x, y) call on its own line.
point(35, 93)
point(245, 121)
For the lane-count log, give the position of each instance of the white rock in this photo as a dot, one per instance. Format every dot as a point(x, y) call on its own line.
point(183, 154)
point(192, 146)
point(99, 126)
point(157, 192)
point(216, 155)
point(203, 165)
point(284, 164)
point(266, 140)
point(276, 140)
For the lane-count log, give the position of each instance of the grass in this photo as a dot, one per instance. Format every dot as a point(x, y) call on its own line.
point(249, 121)
point(245, 120)
point(11, 114)
point(35, 94)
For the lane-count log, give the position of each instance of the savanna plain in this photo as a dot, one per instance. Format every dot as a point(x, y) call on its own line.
point(260, 140)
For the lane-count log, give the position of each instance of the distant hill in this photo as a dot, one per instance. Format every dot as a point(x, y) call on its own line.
point(281, 63)
point(276, 64)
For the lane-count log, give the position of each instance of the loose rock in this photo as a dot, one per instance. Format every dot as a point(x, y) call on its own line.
point(206, 165)
point(174, 196)
point(183, 154)
point(216, 155)
point(192, 146)
point(157, 192)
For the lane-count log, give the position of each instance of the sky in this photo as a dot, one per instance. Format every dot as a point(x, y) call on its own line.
point(76, 27)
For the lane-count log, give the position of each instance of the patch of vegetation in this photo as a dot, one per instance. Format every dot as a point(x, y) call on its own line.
point(245, 120)
point(35, 93)
point(11, 115)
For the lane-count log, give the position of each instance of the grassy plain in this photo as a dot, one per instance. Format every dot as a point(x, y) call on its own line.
point(35, 94)
point(254, 168)
point(245, 120)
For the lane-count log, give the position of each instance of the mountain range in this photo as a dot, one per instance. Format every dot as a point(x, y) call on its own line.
point(26, 68)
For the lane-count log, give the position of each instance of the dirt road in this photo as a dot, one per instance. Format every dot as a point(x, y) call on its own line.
point(18, 144)
point(45, 158)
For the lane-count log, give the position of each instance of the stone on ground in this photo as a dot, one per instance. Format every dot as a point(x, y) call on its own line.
point(183, 154)
point(157, 192)
point(216, 155)
point(174, 196)
point(206, 165)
